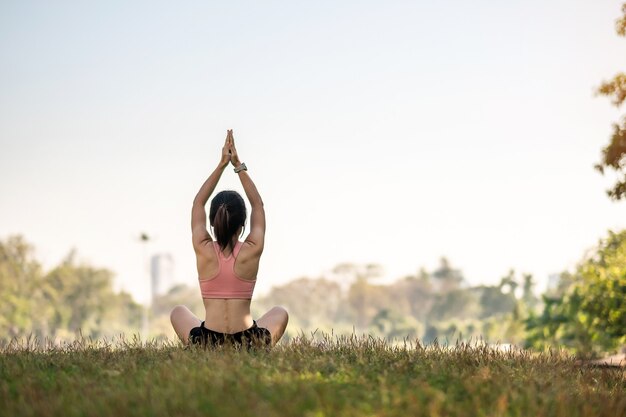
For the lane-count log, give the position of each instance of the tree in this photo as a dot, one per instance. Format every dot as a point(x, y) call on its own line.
point(366, 300)
point(413, 295)
point(73, 296)
point(508, 283)
point(528, 296)
point(310, 302)
point(20, 286)
point(363, 297)
point(82, 298)
point(614, 154)
point(393, 325)
point(445, 278)
point(590, 316)
point(460, 303)
point(493, 302)
point(603, 290)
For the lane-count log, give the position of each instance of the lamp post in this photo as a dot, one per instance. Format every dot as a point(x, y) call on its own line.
point(145, 322)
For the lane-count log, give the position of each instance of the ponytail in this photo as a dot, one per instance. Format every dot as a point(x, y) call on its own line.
point(221, 226)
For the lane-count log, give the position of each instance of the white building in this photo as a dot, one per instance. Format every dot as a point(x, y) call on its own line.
point(161, 273)
point(553, 282)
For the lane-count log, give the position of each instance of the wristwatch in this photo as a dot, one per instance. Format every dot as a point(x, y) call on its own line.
point(241, 167)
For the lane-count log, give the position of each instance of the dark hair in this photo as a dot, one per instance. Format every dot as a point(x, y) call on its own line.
point(227, 214)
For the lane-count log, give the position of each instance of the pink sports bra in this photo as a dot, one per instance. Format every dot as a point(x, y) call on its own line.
point(226, 284)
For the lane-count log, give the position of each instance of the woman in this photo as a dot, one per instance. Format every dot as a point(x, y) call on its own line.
point(227, 268)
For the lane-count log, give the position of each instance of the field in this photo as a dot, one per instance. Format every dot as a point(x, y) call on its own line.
point(345, 376)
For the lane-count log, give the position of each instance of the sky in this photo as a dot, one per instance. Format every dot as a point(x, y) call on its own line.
point(389, 132)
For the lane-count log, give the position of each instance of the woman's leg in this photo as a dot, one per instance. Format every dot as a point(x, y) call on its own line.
point(183, 320)
point(275, 321)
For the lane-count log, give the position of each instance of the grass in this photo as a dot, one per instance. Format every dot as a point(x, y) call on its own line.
point(340, 376)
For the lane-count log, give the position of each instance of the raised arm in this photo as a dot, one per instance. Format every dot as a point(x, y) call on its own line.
point(199, 233)
point(256, 238)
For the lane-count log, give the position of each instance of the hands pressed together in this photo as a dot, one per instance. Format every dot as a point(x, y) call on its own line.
point(229, 152)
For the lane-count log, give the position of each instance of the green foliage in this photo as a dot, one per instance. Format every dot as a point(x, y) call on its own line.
point(455, 303)
point(529, 299)
point(494, 302)
point(21, 280)
point(71, 297)
point(588, 312)
point(614, 154)
point(390, 324)
point(602, 289)
point(447, 278)
point(584, 313)
point(620, 24)
point(347, 376)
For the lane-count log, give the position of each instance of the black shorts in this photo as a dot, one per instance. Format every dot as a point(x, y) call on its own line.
point(254, 337)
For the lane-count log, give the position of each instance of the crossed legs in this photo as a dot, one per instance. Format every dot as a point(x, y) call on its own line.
point(183, 320)
point(275, 321)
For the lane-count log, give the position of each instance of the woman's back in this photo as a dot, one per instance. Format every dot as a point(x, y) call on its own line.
point(227, 268)
point(227, 294)
point(227, 315)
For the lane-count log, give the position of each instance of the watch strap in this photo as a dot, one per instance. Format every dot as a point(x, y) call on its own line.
point(240, 168)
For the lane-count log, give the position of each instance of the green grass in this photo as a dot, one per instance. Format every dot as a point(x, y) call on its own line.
point(347, 376)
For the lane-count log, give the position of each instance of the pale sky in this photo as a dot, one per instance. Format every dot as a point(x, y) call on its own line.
point(391, 132)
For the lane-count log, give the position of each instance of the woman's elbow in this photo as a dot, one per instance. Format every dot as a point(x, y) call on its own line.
point(197, 202)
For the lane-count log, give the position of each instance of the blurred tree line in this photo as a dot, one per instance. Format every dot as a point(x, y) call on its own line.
point(584, 310)
point(58, 303)
point(428, 305)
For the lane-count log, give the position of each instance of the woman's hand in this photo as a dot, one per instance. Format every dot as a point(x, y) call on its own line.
point(234, 157)
point(226, 150)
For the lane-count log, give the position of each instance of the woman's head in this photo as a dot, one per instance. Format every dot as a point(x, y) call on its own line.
point(227, 215)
